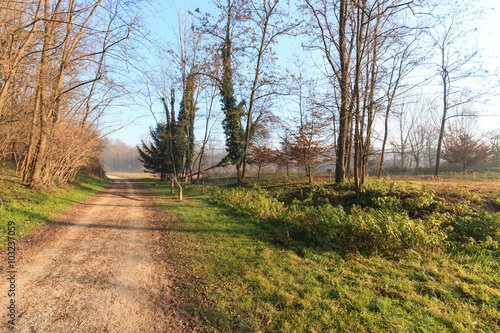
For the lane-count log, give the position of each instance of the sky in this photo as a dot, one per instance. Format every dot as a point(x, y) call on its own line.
point(136, 119)
point(490, 118)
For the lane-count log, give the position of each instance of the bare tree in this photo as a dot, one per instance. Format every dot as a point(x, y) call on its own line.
point(268, 24)
point(16, 41)
point(454, 63)
point(50, 99)
point(354, 37)
point(494, 138)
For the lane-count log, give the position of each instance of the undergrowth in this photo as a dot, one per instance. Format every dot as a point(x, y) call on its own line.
point(286, 260)
point(384, 219)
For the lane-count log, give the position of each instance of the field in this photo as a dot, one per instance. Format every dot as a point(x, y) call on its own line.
point(411, 255)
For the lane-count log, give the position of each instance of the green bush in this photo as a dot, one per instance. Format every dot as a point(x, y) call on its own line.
point(475, 232)
point(383, 219)
point(367, 229)
point(385, 231)
point(248, 203)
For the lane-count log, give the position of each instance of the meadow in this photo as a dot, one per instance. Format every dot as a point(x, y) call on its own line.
point(405, 255)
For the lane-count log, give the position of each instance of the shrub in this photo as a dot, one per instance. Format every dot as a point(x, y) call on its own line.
point(384, 231)
point(475, 232)
point(367, 229)
point(255, 203)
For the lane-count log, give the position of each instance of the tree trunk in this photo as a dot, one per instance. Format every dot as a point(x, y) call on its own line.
point(34, 174)
point(445, 79)
point(238, 173)
point(340, 163)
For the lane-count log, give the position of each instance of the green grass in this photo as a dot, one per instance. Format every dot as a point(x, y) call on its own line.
point(29, 208)
point(236, 276)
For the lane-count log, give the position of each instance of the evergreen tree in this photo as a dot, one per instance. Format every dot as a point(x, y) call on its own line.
point(156, 156)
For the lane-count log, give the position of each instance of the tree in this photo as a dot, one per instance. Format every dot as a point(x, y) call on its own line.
point(400, 65)
point(156, 156)
point(260, 156)
point(211, 94)
point(233, 128)
point(247, 30)
point(282, 156)
point(332, 41)
point(460, 147)
point(53, 63)
point(184, 133)
point(494, 137)
point(354, 37)
point(454, 62)
point(407, 140)
point(18, 45)
point(269, 24)
point(307, 148)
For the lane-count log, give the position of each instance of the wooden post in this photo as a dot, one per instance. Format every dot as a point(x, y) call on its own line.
point(203, 177)
point(172, 184)
point(178, 185)
point(100, 173)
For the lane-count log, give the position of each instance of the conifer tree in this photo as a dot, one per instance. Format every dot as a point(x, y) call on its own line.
point(156, 156)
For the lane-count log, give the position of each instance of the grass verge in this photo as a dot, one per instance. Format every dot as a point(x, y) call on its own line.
point(28, 208)
point(236, 277)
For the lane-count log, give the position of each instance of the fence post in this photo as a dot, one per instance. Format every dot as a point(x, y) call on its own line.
point(203, 178)
point(178, 185)
point(172, 184)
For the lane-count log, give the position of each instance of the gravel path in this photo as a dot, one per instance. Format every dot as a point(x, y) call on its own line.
point(98, 268)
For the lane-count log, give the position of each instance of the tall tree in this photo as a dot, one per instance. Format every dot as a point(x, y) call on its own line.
point(185, 127)
point(353, 36)
point(399, 65)
point(454, 62)
point(18, 45)
point(233, 112)
point(63, 61)
point(269, 22)
point(334, 43)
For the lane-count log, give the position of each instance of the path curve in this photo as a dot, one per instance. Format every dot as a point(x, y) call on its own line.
point(97, 268)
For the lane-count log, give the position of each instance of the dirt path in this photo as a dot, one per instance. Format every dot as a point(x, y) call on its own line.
point(98, 268)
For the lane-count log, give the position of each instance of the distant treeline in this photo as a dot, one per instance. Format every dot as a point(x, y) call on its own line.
point(118, 157)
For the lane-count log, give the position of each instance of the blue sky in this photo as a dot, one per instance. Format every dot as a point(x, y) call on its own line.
point(163, 21)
